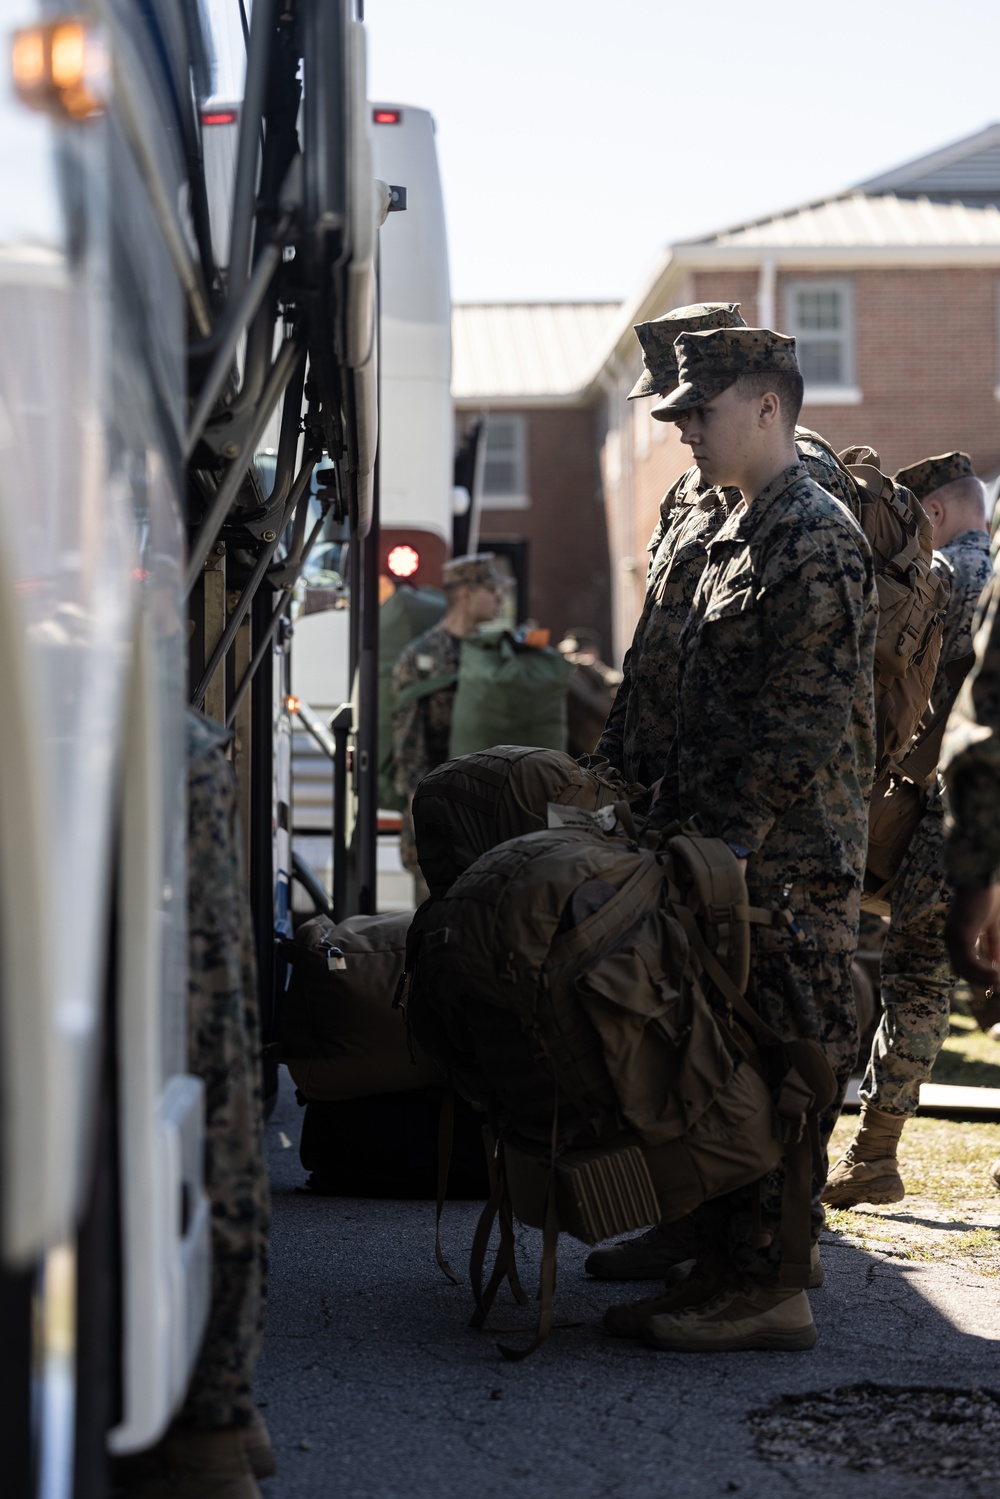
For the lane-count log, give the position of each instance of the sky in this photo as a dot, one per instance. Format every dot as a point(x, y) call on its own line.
point(577, 138)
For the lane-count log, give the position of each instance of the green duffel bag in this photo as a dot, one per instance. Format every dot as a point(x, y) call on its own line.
point(404, 616)
point(509, 693)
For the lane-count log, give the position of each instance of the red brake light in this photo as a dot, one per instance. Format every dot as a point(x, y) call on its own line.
point(219, 117)
point(387, 116)
point(403, 561)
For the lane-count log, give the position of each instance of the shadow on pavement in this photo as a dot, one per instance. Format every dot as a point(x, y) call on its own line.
point(375, 1388)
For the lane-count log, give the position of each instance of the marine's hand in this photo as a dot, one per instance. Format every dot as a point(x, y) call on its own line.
point(972, 934)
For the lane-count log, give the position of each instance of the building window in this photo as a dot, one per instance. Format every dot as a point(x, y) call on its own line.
point(505, 469)
point(820, 315)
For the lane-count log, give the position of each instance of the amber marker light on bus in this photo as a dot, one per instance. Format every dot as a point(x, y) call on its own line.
point(61, 68)
point(292, 703)
point(387, 116)
point(403, 561)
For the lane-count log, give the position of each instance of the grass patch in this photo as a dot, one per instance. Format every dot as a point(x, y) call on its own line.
point(951, 1210)
point(968, 1058)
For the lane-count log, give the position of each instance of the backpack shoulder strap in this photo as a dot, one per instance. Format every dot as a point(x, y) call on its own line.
point(424, 688)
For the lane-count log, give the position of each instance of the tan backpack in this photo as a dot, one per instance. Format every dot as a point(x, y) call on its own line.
point(911, 600)
point(567, 988)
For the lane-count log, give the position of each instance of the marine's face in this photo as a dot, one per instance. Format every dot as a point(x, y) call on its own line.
point(720, 435)
point(485, 602)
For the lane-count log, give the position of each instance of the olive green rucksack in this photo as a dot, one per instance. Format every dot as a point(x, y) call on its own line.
point(474, 803)
point(568, 990)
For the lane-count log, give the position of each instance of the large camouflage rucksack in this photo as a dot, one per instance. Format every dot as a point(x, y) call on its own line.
point(568, 989)
point(471, 804)
point(911, 599)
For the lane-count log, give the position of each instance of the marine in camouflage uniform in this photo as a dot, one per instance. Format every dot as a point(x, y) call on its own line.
point(421, 728)
point(642, 721)
point(970, 759)
point(219, 1443)
point(426, 676)
point(775, 744)
point(224, 1050)
point(970, 763)
point(916, 975)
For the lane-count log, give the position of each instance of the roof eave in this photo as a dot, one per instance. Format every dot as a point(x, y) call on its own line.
point(548, 401)
point(709, 257)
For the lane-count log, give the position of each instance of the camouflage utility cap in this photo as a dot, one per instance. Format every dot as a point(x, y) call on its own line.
point(477, 571)
point(708, 363)
point(659, 361)
point(934, 473)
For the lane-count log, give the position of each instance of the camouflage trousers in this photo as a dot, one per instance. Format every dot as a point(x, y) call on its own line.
point(799, 994)
point(916, 977)
point(224, 1050)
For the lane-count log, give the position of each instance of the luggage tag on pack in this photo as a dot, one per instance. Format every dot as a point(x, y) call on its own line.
point(604, 821)
point(335, 960)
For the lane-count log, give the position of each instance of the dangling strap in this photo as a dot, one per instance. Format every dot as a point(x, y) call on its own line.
point(796, 1197)
point(550, 1239)
point(505, 1265)
point(720, 978)
point(446, 1139)
point(623, 812)
point(547, 1288)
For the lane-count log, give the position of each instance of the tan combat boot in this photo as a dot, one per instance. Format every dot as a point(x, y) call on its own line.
point(192, 1464)
point(650, 1256)
point(868, 1171)
point(630, 1318)
point(257, 1442)
point(738, 1319)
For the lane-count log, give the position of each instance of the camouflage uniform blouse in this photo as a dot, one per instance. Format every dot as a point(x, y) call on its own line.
point(775, 744)
point(971, 758)
point(965, 562)
point(642, 720)
point(421, 729)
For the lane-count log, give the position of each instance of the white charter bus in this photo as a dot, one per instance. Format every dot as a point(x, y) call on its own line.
point(416, 501)
point(166, 319)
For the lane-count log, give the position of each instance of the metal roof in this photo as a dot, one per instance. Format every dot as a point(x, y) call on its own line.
point(860, 220)
point(968, 170)
point(503, 351)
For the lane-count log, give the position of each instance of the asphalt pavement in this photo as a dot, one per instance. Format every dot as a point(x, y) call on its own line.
point(374, 1386)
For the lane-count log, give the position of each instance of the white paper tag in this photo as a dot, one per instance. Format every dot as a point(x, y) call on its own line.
point(603, 821)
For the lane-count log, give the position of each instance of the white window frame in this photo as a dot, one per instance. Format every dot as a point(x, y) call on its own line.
point(518, 498)
point(842, 392)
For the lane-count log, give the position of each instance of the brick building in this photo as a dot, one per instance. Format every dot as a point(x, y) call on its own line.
point(530, 369)
point(893, 292)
